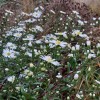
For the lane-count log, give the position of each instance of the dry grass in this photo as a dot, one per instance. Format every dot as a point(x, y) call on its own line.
point(93, 4)
point(28, 5)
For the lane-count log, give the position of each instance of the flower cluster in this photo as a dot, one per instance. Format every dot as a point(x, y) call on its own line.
point(63, 64)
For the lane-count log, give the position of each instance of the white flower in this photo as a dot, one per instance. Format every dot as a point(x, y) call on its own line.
point(51, 45)
point(78, 96)
point(6, 69)
point(91, 56)
point(30, 43)
point(77, 47)
point(68, 98)
point(76, 76)
point(38, 41)
point(60, 43)
point(47, 58)
point(89, 69)
point(80, 22)
point(9, 53)
point(93, 95)
point(21, 24)
point(50, 60)
point(30, 20)
point(11, 79)
point(90, 94)
point(28, 72)
point(19, 29)
point(18, 35)
point(36, 14)
point(37, 52)
point(73, 48)
point(39, 28)
point(76, 32)
point(29, 37)
point(18, 88)
point(88, 43)
point(50, 37)
point(84, 36)
point(56, 63)
point(11, 45)
point(62, 33)
point(70, 55)
point(94, 18)
point(31, 65)
point(23, 48)
point(28, 53)
point(98, 45)
point(59, 75)
point(8, 33)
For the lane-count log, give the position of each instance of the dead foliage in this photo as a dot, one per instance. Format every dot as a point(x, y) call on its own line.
point(93, 4)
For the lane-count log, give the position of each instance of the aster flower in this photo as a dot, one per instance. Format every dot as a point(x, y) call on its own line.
point(50, 60)
point(77, 47)
point(28, 72)
point(78, 96)
point(28, 53)
point(29, 37)
point(36, 14)
point(30, 20)
point(9, 53)
point(39, 28)
point(91, 56)
point(70, 55)
point(59, 75)
point(84, 36)
point(19, 29)
point(76, 33)
point(50, 37)
point(62, 33)
point(76, 76)
point(37, 52)
point(17, 35)
point(98, 45)
point(38, 41)
point(11, 78)
point(11, 45)
point(57, 42)
point(73, 48)
point(88, 43)
point(31, 65)
point(80, 22)
point(30, 43)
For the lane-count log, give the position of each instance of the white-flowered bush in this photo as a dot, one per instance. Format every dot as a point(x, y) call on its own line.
point(61, 64)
